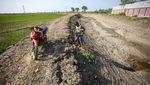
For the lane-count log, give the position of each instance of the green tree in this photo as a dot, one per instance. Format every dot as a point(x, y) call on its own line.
point(84, 8)
point(73, 9)
point(77, 9)
point(124, 2)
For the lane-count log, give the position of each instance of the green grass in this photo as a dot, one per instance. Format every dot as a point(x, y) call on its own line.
point(14, 21)
point(9, 22)
point(6, 18)
point(86, 56)
point(11, 38)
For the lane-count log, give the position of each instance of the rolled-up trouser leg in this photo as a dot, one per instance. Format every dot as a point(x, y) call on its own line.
point(35, 48)
point(35, 42)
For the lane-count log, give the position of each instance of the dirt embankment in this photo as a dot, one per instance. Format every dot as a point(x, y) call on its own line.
point(17, 67)
point(113, 39)
point(94, 56)
point(63, 63)
point(131, 32)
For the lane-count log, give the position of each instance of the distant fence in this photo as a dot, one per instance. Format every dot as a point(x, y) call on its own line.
point(139, 9)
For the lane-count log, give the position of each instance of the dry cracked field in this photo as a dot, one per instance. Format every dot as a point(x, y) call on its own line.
point(110, 52)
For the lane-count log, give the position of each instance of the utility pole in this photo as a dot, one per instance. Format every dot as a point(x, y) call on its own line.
point(23, 9)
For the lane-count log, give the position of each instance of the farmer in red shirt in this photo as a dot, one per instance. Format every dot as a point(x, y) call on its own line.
point(36, 36)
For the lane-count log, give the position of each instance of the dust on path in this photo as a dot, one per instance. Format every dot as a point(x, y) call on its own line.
point(122, 44)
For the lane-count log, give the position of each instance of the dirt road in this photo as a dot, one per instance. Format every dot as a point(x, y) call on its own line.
point(112, 53)
point(17, 67)
point(126, 43)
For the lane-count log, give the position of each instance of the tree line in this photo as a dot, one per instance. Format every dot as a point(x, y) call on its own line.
point(124, 2)
point(84, 9)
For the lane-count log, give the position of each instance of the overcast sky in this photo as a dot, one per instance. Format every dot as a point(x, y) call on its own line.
point(53, 5)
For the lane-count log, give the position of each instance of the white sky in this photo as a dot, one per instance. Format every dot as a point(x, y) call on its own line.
point(53, 5)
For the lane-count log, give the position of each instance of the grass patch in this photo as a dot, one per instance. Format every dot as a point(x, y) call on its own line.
point(87, 66)
point(15, 21)
point(8, 18)
point(88, 56)
point(11, 38)
point(9, 22)
point(85, 55)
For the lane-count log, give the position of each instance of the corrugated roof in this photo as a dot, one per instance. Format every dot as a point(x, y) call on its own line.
point(138, 5)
